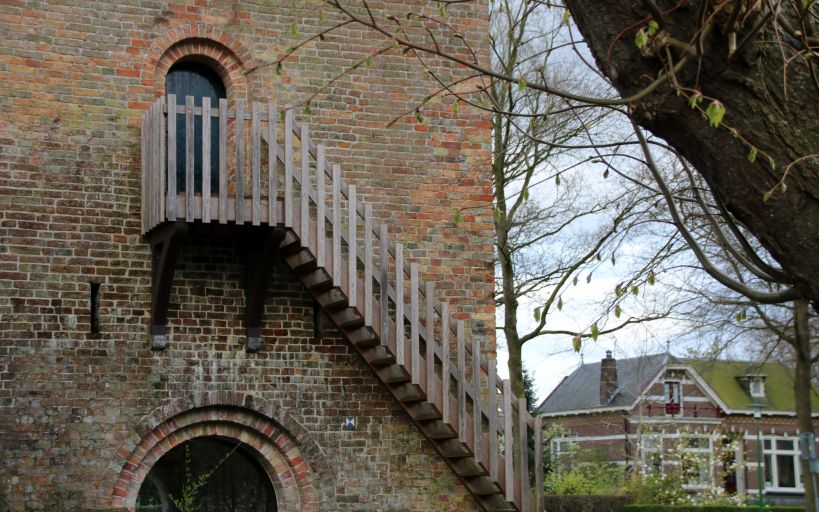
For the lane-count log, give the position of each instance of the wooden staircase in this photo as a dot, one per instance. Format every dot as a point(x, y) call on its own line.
point(373, 295)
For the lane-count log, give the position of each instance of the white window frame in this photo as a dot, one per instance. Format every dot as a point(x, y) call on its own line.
point(667, 384)
point(561, 446)
point(651, 444)
point(773, 452)
point(757, 387)
point(708, 451)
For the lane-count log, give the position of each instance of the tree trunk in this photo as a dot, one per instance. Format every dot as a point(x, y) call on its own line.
point(774, 113)
point(802, 391)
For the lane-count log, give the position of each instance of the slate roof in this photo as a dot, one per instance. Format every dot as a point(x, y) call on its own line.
point(581, 389)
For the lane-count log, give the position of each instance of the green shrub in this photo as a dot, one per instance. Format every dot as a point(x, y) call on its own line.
point(706, 508)
point(585, 503)
point(658, 489)
point(587, 479)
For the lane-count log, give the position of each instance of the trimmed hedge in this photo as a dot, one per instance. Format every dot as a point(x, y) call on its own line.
point(585, 503)
point(707, 508)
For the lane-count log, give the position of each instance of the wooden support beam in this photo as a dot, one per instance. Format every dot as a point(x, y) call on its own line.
point(170, 208)
point(523, 450)
point(255, 164)
point(477, 428)
point(415, 327)
point(508, 442)
point(206, 149)
point(165, 244)
point(189, 159)
point(538, 463)
point(445, 358)
point(240, 161)
point(259, 263)
point(492, 412)
point(461, 356)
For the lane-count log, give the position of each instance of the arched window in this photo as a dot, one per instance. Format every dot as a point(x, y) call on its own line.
point(191, 78)
point(217, 474)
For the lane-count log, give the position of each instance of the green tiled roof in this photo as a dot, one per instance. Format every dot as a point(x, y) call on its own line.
point(723, 377)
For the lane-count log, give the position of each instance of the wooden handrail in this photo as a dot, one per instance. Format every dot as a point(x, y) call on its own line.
point(159, 173)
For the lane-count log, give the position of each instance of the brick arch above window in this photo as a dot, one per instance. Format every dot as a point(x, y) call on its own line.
point(283, 447)
point(206, 44)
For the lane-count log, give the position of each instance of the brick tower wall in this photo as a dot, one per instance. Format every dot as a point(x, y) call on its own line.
point(76, 77)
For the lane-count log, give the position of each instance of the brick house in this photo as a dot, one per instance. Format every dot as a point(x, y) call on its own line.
point(656, 412)
point(175, 264)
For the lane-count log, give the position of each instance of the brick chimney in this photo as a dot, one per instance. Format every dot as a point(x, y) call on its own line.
point(608, 377)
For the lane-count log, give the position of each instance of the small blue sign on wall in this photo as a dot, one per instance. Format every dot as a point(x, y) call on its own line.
point(349, 423)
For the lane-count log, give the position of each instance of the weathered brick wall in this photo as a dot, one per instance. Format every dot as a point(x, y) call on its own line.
point(76, 76)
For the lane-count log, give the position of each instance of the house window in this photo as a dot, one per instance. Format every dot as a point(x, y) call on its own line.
point(562, 454)
point(651, 453)
point(673, 400)
point(192, 78)
point(757, 387)
point(696, 461)
point(782, 469)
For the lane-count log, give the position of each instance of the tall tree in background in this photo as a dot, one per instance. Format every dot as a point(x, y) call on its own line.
point(543, 207)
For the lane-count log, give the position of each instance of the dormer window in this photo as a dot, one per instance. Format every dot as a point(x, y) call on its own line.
point(757, 387)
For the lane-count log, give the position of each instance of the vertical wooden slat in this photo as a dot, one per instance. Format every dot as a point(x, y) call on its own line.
point(160, 169)
point(255, 163)
point(171, 199)
point(429, 337)
point(144, 170)
point(385, 267)
point(321, 197)
point(189, 159)
point(399, 304)
point(240, 162)
point(476, 400)
point(352, 244)
point(461, 354)
point(368, 264)
point(508, 441)
point(150, 142)
point(206, 159)
point(156, 195)
point(148, 171)
point(304, 198)
point(288, 167)
point(523, 450)
point(223, 181)
point(415, 329)
point(538, 463)
point(492, 413)
point(445, 353)
point(336, 227)
point(272, 165)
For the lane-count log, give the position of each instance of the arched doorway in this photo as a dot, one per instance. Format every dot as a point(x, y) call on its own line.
point(211, 474)
point(194, 78)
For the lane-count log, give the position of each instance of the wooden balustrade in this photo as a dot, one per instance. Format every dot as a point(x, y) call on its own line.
point(489, 420)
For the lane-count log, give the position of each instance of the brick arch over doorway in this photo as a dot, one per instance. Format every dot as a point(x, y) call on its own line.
point(279, 444)
point(222, 52)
